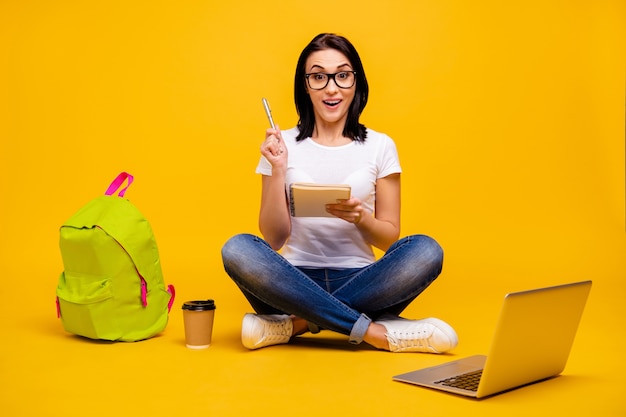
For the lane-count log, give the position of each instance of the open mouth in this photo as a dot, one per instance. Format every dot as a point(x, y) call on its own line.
point(332, 103)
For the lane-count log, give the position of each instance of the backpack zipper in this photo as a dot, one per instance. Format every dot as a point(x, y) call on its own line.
point(144, 284)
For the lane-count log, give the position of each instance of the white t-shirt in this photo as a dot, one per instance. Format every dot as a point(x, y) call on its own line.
point(321, 242)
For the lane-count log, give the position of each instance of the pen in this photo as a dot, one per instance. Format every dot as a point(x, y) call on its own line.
point(268, 112)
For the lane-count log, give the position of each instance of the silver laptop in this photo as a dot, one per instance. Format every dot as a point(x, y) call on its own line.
point(532, 342)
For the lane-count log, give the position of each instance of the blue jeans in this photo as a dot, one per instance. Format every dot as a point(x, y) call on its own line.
point(341, 300)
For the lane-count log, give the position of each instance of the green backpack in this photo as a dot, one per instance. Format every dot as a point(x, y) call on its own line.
point(112, 286)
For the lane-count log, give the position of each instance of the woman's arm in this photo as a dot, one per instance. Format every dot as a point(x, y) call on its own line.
point(382, 229)
point(274, 219)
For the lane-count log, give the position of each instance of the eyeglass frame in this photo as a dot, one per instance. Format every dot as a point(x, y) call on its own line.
point(330, 77)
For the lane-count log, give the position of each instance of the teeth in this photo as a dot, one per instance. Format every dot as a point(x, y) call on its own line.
point(332, 103)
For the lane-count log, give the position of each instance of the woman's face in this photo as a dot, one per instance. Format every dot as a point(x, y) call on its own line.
point(331, 103)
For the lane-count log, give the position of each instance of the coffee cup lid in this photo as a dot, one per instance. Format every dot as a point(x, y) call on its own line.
point(199, 305)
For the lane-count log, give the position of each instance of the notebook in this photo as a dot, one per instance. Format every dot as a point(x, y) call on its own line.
point(532, 341)
point(309, 199)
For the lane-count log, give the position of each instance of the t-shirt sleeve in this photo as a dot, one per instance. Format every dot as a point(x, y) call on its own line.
point(264, 167)
point(389, 162)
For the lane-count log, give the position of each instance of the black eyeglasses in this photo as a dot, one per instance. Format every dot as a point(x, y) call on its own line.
point(319, 80)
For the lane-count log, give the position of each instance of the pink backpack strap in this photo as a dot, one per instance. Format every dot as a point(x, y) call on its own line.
point(172, 291)
point(117, 183)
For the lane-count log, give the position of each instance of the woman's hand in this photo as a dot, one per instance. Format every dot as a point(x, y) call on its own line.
point(350, 210)
point(274, 149)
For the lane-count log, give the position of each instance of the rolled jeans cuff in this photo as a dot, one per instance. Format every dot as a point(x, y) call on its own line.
point(359, 329)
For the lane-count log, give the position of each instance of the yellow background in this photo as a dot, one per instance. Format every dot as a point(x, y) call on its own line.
point(509, 120)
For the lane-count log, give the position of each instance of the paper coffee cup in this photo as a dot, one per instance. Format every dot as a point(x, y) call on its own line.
point(198, 319)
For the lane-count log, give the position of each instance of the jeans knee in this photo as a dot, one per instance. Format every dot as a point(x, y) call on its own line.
point(234, 247)
point(430, 250)
point(436, 250)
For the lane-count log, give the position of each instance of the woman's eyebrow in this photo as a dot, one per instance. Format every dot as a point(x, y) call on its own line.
point(315, 66)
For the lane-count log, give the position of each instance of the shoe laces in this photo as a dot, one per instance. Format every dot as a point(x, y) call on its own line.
point(275, 329)
point(412, 338)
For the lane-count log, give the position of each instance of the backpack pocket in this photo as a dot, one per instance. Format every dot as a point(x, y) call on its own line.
point(83, 301)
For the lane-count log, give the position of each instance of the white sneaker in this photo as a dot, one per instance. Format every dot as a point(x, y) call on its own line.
point(258, 330)
point(427, 335)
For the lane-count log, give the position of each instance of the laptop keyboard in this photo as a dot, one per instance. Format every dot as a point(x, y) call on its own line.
point(468, 381)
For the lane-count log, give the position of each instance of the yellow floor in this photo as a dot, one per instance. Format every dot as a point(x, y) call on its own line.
point(44, 371)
